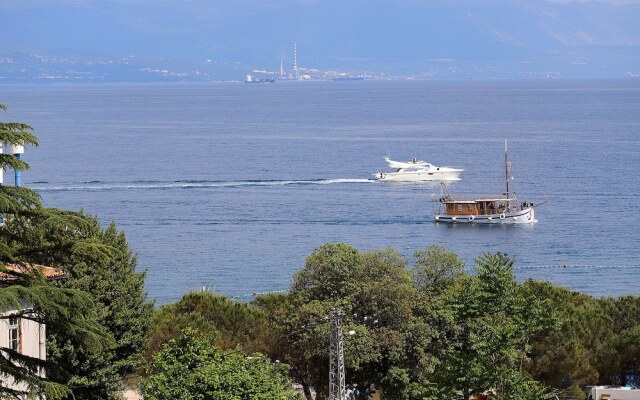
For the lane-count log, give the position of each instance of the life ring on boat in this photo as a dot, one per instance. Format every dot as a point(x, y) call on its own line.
point(502, 216)
point(471, 218)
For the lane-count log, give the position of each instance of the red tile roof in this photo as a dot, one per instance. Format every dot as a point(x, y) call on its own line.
point(24, 268)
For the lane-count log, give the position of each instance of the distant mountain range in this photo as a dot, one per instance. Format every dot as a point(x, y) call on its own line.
point(141, 40)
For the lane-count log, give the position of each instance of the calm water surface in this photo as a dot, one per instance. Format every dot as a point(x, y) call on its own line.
point(236, 184)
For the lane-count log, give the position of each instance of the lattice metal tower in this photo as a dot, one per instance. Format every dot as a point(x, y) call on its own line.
point(336, 356)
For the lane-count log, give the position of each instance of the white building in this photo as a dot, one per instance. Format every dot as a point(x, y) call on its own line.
point(613, 393)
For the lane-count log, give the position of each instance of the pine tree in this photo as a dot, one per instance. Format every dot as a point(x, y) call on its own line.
point(15, 199)
point(62, 310)
point(98, 263)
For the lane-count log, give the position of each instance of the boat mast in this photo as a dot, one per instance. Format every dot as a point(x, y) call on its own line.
point(506, 171)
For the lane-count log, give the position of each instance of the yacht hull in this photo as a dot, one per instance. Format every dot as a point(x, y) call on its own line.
point(523, 216)
point(419, 176)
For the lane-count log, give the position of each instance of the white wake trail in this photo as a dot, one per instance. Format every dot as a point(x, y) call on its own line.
point(97, 186)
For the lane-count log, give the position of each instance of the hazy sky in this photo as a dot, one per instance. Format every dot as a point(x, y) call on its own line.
point(187, 2)
point(615, 2)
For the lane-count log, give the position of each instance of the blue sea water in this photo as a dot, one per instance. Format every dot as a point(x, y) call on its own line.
point(234, 185)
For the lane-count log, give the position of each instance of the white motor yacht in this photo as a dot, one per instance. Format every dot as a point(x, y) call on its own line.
point(417, 171)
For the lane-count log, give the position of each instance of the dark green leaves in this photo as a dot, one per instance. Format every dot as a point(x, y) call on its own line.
point(191, 368)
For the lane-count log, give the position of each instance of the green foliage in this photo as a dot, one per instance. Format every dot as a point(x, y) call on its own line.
point(375, 291)
point(14, 200)
point(99, 262)
point(566, 357)
point(435, 269)
point(50, 236)
point(495, 322)
point(68, 311)
point(597, 342)
point(31, 233)
point(624, 339)
point(191, 368)
point(229, 323)
point(431, 332)
point(17, 200)
point(329, 273)
point(15, 133)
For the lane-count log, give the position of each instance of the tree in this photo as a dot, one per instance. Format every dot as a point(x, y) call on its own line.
point(565, 358)
point(97, 261)
point(597, 342)
point(15, 199)
point(232, 324)
point(496, 320)
point(435, 269)
point(63, 310)
point(624, 345)
point(191, 368)
point(15, 134)
point(68, 311)
point(390, 347)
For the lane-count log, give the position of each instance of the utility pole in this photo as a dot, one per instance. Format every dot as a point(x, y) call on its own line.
point(336, 356)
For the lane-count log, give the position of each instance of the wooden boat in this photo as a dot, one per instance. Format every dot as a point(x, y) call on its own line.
point(487, 209)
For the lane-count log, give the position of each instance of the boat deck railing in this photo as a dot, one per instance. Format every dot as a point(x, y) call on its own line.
point(481, 197)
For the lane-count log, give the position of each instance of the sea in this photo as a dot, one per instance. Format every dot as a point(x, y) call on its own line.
point(228, 187)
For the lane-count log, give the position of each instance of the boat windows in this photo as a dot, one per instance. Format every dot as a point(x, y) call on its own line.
point(459, 207)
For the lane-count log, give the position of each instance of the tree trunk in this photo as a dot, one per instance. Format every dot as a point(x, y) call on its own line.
point(307, 391)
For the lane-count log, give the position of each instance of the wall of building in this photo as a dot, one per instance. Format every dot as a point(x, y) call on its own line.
point(31, 340)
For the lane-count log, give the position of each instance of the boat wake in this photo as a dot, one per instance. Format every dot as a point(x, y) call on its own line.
point(159, 185)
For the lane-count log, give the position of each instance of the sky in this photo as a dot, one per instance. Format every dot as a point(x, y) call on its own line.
point(614, 2)
point(516, 36)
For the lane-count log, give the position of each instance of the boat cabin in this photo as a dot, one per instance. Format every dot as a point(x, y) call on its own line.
point(485, 206)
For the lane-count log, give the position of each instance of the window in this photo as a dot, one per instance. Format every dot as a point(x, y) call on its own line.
point(14, 333)
point(460, 207)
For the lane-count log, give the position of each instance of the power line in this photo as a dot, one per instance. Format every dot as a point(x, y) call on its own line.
point(576, 266)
